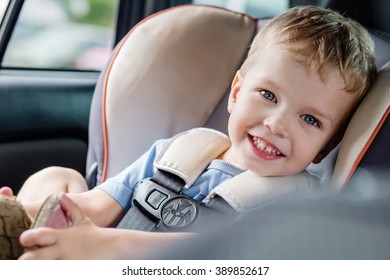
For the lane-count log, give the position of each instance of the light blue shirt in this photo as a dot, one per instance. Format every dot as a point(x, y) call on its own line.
point(121, 187)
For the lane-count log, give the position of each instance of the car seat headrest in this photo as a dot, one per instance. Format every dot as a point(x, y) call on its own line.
point(374, 16)
point(364, 126)
point(167, 75)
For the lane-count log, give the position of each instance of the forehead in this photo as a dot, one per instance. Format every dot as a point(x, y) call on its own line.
point(280, 61)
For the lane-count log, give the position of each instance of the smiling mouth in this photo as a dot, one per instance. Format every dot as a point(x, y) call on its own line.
point(265, 147)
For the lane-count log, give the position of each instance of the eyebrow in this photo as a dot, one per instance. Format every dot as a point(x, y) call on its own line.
point(272, 84)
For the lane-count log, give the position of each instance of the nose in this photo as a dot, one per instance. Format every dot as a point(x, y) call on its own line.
point(277, 123)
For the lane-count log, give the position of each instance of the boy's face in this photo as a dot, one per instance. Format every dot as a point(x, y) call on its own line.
point(282, 115)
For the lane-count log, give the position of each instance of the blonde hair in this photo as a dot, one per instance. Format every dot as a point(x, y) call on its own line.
point(323, 40)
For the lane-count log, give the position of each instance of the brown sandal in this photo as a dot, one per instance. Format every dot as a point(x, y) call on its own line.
point(14, 219)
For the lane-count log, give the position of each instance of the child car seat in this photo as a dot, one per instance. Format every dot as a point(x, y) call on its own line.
point(167, 75)
point(171, 73)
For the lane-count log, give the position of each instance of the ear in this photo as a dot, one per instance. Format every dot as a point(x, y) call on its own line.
point(235, 89)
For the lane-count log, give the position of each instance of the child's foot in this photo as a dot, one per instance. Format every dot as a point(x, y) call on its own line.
point(14, 219)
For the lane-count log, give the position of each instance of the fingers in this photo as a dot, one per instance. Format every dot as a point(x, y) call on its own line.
point(71, 209)
point(40, 243)
point(45, 253)
point(7, 191)
point(38, 237)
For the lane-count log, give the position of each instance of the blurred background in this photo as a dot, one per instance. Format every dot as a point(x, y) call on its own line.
point(62, 34)
point(80, 34)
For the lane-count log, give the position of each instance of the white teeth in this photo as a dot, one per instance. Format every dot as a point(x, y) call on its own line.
point(261, 145)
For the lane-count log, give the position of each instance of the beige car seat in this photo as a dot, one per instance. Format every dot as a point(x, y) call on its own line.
point(173, 71)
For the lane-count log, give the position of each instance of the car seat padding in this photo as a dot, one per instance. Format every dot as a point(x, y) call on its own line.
point(168, 75)
point(365, 124)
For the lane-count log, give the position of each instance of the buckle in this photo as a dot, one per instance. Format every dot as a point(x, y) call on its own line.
point(173, 210)
point(178, 212)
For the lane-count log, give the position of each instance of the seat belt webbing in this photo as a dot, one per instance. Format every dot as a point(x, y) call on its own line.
point(135, 218)
point(168, 180)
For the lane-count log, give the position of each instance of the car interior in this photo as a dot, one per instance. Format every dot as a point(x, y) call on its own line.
point(164, 78)
point(35, 135)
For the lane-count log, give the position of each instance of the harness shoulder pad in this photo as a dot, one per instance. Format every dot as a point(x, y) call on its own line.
point(190, 152)
point(249, 190)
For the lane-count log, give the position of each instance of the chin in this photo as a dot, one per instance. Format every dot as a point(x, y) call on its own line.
point(265, 173)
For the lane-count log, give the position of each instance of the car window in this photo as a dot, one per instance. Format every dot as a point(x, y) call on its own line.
point(254, 8)
point(3, 7)
point(257, 8)
point(63, 34)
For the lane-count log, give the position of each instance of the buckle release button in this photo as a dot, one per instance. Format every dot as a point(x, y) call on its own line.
point(155, 199)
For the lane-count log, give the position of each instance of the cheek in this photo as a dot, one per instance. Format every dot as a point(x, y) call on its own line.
point(236, 115)
point(239, 121)
point(236, 128)
point(246, 110)
point(307, 147)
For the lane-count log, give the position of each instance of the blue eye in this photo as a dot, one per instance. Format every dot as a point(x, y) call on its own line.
point(310, 120)
point(268, 95)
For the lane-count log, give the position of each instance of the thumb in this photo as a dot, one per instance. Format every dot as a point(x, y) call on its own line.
point(7, 191)
point(71, 209)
